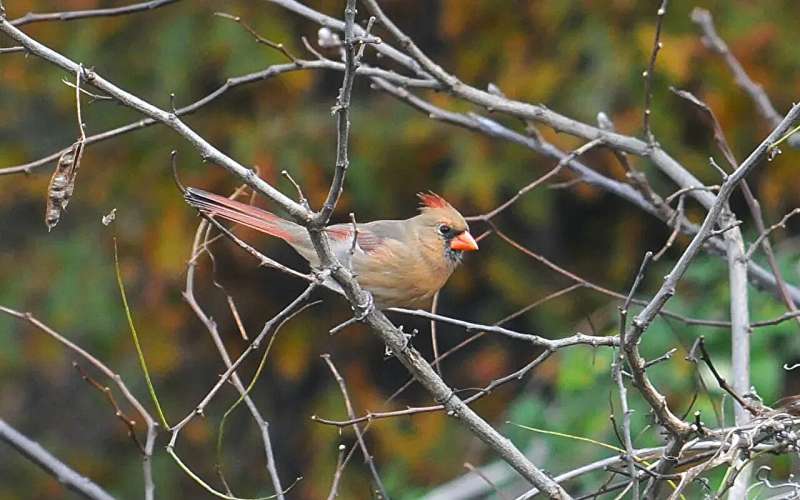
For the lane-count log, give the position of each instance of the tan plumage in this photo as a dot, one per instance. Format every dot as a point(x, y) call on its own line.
point(403, 263)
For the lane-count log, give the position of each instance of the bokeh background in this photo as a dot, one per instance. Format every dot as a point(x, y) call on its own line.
point(576, 57)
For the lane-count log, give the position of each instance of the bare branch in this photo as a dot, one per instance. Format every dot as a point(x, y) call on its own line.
point(552, 173)
point(150, 423)
point(129, 423)
point(648, 76)
point(255, 345)
point(703, 19)
point(771, 322)
point(208, 152)
point(260, 39)
point(434, 340)
point(534, 340)
point(677, 427)
point(65, 475)
point(32, 17)
point(756, 273)
point(211, 326)
point(766, 232)
point(701, 346)
point(752, 202)
point(342, 113)
point(337, 475)
point(359, 434)
point(11, 50)
point(230, 83)
point(740, 335)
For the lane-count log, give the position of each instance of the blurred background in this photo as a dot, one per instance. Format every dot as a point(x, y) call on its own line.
point(578, 58)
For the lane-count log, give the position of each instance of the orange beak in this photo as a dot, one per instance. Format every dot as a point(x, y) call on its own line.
point(464, 242)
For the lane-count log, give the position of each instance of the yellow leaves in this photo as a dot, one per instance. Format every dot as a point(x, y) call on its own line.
point(778, 191)
point(292, 354)
point(160, 346)
point(535, 82)
point(457, 19)
point(169, 252)
point(412, 441)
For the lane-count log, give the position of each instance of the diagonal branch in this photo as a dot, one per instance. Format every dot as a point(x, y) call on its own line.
point(703, 19)
point(211, 326)
point(208, 151)
point(32, 17)
point(394, 339)
point(150, 423)
point(34, 452)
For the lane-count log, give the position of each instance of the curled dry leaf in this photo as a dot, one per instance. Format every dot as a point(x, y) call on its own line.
point(109, 217)
point(62, 183)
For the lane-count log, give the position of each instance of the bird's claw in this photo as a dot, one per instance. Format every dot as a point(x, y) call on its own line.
point(363, 310)
point(407, 337)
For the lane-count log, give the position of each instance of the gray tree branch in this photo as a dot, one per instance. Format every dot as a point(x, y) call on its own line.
point(65, 475)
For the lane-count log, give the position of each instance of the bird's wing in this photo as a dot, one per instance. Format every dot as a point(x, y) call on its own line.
point(341, 236)
point(372, 236)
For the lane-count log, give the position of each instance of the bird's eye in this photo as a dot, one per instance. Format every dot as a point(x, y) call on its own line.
point(444, 229)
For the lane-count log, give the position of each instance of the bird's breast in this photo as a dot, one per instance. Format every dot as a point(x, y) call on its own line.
point(398, 276)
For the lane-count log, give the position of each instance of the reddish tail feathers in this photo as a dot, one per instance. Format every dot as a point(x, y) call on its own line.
point(241, 213)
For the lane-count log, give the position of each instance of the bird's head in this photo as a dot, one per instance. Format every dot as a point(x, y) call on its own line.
point(444, 223)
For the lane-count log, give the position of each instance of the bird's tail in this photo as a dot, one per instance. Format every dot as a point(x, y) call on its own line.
point(247, 215)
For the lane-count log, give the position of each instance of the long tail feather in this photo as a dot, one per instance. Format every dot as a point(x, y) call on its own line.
point(247, 215)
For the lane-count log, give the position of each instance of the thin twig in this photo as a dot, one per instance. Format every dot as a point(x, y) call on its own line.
point(477, 472)
point(359, 435)
point(11, 50)
point(260, 39)
point(703, 19)
point(33, 17)
point(553, 172)
point(766, 232)
point(700, 345)
point(648, 73)
point(129, 423)
point(337, 475)
point(253, 346)
point(619, 360)
point(211, 326)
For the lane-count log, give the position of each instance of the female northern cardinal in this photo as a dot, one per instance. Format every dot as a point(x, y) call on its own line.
point(403, 263)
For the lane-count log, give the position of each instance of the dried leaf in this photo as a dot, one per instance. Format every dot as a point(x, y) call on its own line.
point(109, 217)
point(62, 183)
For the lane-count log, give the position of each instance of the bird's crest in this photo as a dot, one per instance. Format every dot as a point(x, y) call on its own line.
point(432, 200)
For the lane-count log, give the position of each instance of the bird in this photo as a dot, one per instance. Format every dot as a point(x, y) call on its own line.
point(402, 263)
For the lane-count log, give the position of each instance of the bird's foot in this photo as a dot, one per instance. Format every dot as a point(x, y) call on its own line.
point(363, 310)
point(407, 338)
